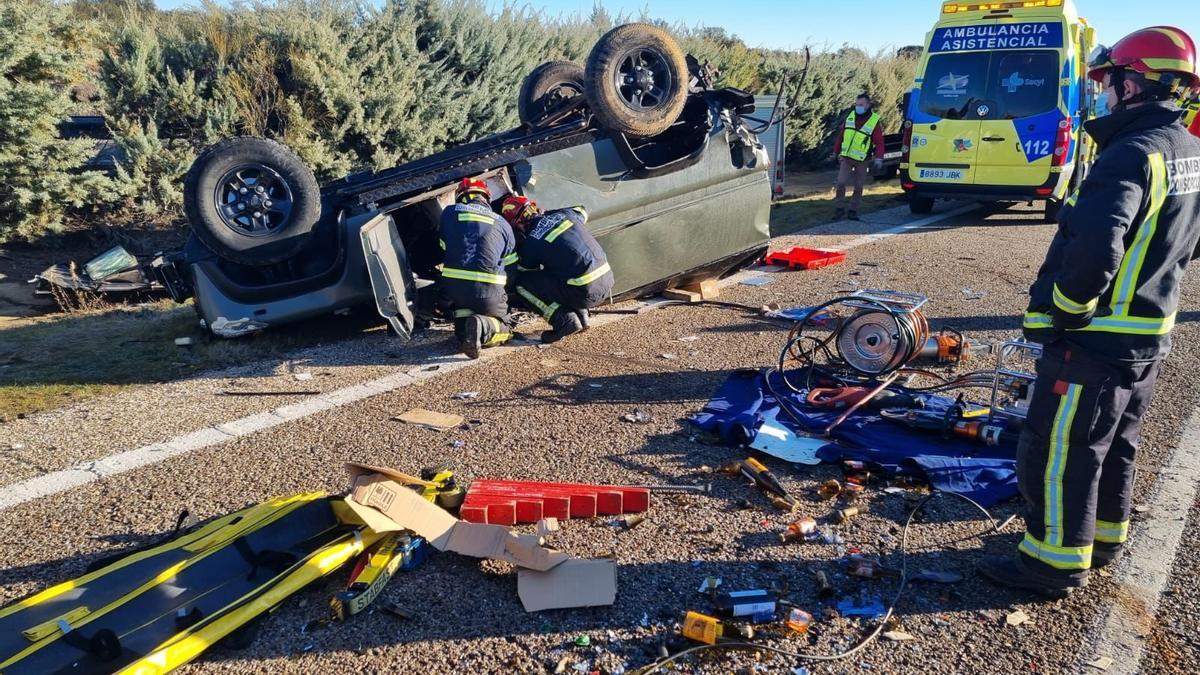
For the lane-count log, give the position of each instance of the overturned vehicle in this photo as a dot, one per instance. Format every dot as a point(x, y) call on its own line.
point(668, 167)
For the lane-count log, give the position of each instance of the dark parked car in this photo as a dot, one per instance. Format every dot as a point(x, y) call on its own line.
point(674, 180)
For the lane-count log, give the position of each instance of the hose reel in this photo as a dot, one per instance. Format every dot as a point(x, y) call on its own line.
point(872, 333)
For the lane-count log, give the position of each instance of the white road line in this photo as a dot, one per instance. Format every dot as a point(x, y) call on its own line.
point(906, 227)
point(1120, 632)
point(82, 474)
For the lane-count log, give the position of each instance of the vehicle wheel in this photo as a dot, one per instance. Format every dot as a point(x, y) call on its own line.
point(636, 80)
point(1050, 215)
point(920, 204)
point(548, 86)
point(251, 201)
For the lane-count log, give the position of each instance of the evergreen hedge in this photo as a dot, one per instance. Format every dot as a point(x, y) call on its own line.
point(347, 84)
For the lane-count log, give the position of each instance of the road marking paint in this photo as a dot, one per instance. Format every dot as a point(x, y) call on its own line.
point(112, 465)
point(901, 229)
point(1120, 632)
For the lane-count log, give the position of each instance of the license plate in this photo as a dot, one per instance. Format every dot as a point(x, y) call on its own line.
point(942, 174)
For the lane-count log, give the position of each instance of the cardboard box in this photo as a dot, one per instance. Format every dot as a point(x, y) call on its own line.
point(546, 579)
point(574, 583)
point(382, 499)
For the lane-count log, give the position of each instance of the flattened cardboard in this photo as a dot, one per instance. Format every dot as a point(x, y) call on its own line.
point(431, 420)
point(386, 505)
point(574, 583)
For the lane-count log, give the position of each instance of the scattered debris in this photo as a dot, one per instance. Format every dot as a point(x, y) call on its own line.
point(668, 356)
point(561, 666)
point(937, 577)
point(798, 621)
point(547, 527)
point(689, 338)
point(830, 489)
point(972, 294)
point(466, 396)
point(843, 516)
point(303, 377)
point(630, 520)
point(709, 585)
point(184, 342)
point(868, 607)
point(802, 529)
point(1100, 662)
point(897, 636)
point(396, 610)
point(824, 588)
point(546, 579)
point(757, 280)
point(583, 641)
point(638, 416)
point(430, 420)
point(1016, 618)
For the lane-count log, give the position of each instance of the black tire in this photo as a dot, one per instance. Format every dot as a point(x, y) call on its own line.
point(635, 58)
point(1050, 215)
point(548, 86)
point(920, 205)
point(251, 201)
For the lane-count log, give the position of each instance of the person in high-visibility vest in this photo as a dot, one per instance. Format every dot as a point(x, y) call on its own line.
point(859, 138)
point(480, 248)
point(1192, 119)
point(1103, 305)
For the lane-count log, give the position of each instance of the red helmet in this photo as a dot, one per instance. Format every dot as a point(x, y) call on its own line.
point(1164, 54)
point(517, 209)
point(469, 187)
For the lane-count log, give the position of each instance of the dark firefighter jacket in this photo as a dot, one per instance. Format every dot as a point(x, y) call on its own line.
point(560, 244)
point(479, 245)
point(1110, 281)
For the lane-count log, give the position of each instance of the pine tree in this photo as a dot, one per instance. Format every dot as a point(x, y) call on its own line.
point(42, 54)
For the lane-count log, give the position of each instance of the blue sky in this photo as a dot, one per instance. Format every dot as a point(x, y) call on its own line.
point(870, 24)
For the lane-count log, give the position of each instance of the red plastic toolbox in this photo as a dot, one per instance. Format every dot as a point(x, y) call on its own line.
point(805, 258)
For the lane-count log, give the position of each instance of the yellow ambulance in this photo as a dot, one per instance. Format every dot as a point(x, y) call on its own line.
point(997, 109)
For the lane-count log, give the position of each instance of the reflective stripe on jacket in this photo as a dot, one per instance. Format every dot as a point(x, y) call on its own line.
point(559, 243)
point(1111, 278)
point(479, 244)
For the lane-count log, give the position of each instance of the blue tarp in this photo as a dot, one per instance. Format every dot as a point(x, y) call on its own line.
point(985, 474)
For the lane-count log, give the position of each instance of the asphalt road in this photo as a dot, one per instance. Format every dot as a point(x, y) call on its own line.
point(555, 414)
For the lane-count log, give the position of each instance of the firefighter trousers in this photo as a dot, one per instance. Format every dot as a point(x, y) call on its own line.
point(548, 295)
point(474, 299)
point(1075, 461)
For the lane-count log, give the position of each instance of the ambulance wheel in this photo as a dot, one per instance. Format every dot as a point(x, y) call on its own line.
point(636, 80)
point(547, 87)
point(1050, 215)
point(251, 201)
point(920, 205)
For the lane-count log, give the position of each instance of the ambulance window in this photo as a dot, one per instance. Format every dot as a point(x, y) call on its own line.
point(1025, 83)
point(953, 83)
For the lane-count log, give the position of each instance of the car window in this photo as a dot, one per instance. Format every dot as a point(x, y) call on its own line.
point(1012, 83)
point(1025, 83)
point(953, 82)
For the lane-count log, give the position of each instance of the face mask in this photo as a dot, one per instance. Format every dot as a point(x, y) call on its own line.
point(860, 110)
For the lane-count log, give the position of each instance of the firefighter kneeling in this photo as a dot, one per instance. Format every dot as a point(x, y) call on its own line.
point(563, 270)
point(479, 248)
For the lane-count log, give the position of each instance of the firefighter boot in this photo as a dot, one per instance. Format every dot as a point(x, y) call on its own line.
point(564, 324)
point(585, 319)
point(470, 339)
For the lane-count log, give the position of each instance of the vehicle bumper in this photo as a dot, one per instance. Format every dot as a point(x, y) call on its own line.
point(985, 193)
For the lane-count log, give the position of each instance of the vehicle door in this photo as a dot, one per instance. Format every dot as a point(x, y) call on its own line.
point(1018, 134)
point(946, 119)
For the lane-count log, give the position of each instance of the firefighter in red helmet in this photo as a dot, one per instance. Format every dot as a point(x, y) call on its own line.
point(480, 247)
point(1103, 306)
